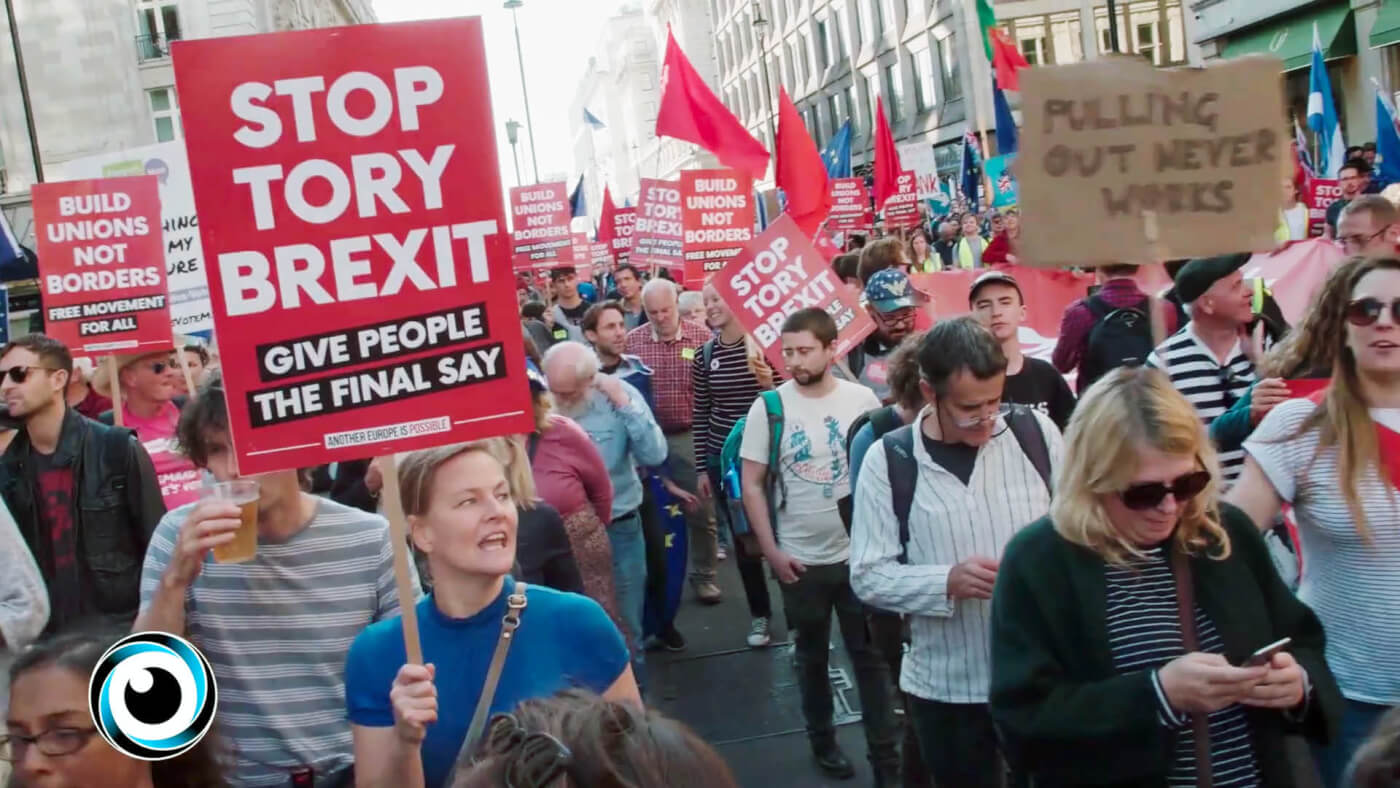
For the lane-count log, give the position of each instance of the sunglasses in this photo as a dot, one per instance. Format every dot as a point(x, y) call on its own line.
point(534, 760)
point(1140, 497)
point(21, 374)
point(1367, 311)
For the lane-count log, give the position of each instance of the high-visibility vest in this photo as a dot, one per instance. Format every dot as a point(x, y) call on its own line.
point(967, 259)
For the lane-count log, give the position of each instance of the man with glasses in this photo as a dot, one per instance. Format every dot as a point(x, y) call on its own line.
point(1353, 177)
point(151, 406)
point(1367, 226)
point(978, 472)
point(890, 300)
point(84, 494)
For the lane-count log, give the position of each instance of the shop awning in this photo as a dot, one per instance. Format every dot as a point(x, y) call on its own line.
point(1386, 31)
point(1291, 38)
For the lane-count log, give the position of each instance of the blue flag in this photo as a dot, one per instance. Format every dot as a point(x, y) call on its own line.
point(1322, 115)
point(837, 153)
point(1387, 141)
point(592, 120)
point(1006, 124)
point(970, 172)
point(576, 200)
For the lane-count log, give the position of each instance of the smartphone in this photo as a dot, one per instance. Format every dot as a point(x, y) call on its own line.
point(1263, 655)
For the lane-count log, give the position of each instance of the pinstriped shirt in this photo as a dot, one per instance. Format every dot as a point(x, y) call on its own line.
point(276, 631)
point(949, 522)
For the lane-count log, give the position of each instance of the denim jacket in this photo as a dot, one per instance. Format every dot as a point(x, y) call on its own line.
point(626, 437)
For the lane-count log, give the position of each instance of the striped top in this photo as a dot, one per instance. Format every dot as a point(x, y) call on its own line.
point(1144, 633)
point(723, 394)
point(1211, 387)
point(1351, 584)
point(276, 631)
point(949, 522)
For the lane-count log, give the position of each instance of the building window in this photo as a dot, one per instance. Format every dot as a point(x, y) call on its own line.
point(833, 109)
point(803, 58)
point(895, 90)
point(1033, 47)
point(880, 21)
point(925, 95)
point(823, 44)
point(842, 37)
point(165, 113)
point(952, 77)
point(790, 71)
point(862, 26)
point(1145, 40)
point(872, 92)
point(158, 22)
point(849, 94)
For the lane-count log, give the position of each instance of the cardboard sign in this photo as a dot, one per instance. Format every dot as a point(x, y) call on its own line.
point(190, 311)
point(1003, 182)
point(102, 264)
point(902, 207)
point(362, 284)
point(850, 205)
point(1159, 163)
point(624, 223)
point(1319, 195)
point(540, 215)
point(918, 158)
point(718, 213)
point(659, 236)
point(780, 272)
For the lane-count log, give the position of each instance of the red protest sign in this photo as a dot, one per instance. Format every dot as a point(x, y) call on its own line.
point(1321, 193)
point(718, 214)
point(364, 297)
point(624, 221)
point(902, 208)
point(540, 215)
point(850, 205)
point(102, 264)
point(780, 272)
point(601, 254)
point(659, 236)
point(583, 256)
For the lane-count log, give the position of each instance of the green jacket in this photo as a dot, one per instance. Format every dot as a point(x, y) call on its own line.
point(1066, 714)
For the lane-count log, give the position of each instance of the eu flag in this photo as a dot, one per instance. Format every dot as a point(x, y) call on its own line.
point(837, 153)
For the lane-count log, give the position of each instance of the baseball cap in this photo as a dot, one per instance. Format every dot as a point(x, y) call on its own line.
point(990, 278)
point(889, 290)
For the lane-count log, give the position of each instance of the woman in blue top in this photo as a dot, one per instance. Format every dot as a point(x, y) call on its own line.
point(462, 516)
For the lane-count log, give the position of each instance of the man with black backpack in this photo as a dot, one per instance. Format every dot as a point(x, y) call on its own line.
point(935, 506)
point(1109, 328)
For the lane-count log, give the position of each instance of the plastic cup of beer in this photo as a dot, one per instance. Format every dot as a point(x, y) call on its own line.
point(244, 494)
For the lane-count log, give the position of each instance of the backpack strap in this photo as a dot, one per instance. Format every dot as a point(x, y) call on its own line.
point(1097, 307)
point(1026, 427)
point(707, 352)
point(885, 420)
point(773, 408)
point(903, 475)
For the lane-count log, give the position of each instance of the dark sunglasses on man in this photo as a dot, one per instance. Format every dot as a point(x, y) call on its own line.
point(1367, 311)
point(1149, 495)
point(21, 374)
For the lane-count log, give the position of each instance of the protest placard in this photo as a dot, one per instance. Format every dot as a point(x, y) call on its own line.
point(850, 205)
point(1003, 182)
point(190, 312)
point(780, 272)
point(361, 268)
point(658, 237)
point(1319, 195)
point(541, 236)
point(102, 264)
point(918, 158)
point(902, 207)
point(717, 211)
point(602, 256)
point(624, 222)
point(1159, 163)
point(583, 256)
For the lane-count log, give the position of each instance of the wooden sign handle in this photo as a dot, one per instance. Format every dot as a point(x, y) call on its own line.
point(114, 373)
point(403, 577)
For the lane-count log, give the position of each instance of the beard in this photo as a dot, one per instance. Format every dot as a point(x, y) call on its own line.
point(807, 378)
point(571, 410)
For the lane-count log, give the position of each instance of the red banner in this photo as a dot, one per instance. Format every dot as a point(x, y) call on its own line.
point(624, 222)
point(540, 215)
point(583, 256)
point(780, 272)
point(1319, 195)
point(659, 236)
point(718, 213)
point(902, 208)
point(102, 264)
point(364, 300)
point(850, 206)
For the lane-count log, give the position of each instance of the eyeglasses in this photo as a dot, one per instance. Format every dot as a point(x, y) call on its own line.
point(1002, 409)
point(53, 743)
point(534, 759)
point(1355, 242)
point(21, 374)
point(1140, 497)
point(899, 317)
point(1367, 311)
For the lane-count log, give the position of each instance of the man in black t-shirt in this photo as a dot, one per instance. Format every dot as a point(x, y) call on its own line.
point(569, 306)
point(997, 303)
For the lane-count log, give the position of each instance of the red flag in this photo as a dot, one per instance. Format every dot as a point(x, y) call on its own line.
point(690, 111)
point(800, 173)
point(606, 230)
point(887, 166)
point(1007, 60)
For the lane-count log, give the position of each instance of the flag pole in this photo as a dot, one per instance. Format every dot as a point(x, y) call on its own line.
point(974, 34)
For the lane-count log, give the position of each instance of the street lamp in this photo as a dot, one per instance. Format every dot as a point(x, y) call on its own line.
point(513, 134)
point(24, 91)
point(513, 6)
point(760, 26)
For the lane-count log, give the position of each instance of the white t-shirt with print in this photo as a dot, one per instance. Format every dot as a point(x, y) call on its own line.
point(814, 466)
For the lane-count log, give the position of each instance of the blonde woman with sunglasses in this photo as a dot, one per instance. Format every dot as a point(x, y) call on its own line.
point(1098, 674)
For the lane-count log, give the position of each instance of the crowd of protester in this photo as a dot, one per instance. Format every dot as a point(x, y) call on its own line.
point(1032, 588)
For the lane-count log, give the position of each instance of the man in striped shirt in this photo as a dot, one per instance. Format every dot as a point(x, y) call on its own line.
point(975, 488)
point(1206, 360)
point(276, 629)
